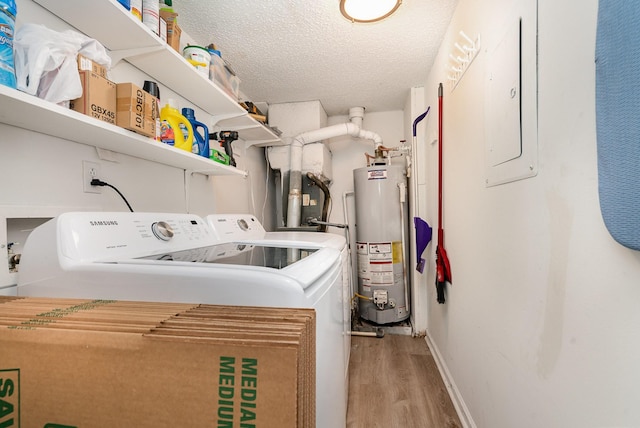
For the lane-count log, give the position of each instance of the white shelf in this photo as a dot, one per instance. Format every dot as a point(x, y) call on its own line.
point(104, 20)
point(127, 38)
point(170, 68)
point(251, 131)
point(32, 113)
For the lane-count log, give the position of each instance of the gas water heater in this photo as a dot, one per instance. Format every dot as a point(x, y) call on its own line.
point(381, 231)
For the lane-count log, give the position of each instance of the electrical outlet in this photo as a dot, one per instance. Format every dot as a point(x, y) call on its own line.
point(90, 170)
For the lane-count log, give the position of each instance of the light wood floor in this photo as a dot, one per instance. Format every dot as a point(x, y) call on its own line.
point(394, 382)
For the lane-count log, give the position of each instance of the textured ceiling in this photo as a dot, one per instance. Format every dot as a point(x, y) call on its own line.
point(287, 51)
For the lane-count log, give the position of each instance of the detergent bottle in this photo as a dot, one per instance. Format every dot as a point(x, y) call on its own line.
point(170, 127)
point(7, 23)
point(200, 141)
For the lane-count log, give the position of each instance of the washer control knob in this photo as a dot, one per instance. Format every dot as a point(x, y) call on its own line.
point(162, 230)
point(243, 224)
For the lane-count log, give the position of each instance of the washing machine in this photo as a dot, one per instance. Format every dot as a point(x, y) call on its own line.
point(181, 258)
point(247, 229)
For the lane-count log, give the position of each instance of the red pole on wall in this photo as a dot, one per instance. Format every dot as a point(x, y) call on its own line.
point(443, 268)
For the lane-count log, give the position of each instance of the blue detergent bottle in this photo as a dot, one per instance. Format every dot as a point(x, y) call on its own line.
point(200, 140)
point(7, 23)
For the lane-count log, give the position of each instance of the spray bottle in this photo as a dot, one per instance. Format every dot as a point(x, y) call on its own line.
point(200, 141)
point(171, 122)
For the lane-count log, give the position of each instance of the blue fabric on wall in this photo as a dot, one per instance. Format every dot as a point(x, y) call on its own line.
point(618, 118)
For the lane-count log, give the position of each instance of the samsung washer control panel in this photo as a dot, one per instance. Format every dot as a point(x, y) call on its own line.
point(234, 227)
point(98, 235)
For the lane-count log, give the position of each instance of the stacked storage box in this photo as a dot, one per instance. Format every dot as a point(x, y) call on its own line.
point(75, 362)
point(98, 98)
point(136, 109)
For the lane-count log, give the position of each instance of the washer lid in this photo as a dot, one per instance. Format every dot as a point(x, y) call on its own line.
point(238, 253)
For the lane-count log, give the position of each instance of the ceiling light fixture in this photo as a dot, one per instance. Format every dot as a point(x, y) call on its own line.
point(368, 10)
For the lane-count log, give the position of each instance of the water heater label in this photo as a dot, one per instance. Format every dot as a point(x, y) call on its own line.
point(377, 174)
point(375, 263)
point(382, 273)
point(382, 249)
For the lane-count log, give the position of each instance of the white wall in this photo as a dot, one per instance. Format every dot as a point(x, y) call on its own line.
point(540, 324)
point(42, 175)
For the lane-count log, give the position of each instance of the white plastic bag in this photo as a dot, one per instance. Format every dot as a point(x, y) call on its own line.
point(45, 61)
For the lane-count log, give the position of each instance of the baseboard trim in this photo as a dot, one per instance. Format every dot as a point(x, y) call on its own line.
point(452, 389)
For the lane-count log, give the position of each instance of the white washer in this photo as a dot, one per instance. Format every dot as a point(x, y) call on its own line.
point(179, 258)
point(246, 228)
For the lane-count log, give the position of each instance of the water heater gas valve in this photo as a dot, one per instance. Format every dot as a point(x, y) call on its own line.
point(380, 298)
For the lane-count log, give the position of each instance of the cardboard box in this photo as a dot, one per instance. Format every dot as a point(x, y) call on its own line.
point(82, 363)
point(173, 29)
point(98, 98)
point(136, 109)
point(168, 15)
point(85, 64)
point(173, 36)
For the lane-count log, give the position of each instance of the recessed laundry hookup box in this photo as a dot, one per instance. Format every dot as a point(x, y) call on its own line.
point(98, 363)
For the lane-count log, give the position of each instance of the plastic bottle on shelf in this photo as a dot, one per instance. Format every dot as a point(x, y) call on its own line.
point(166, 5)
point(213, 51)
point(171, 133)
point(152, 88)
point(136, 8)
point(218, 153)
point(200, 141)
point(7, 23)
point(151, 15)
point(125, 3)
point(166, 10)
